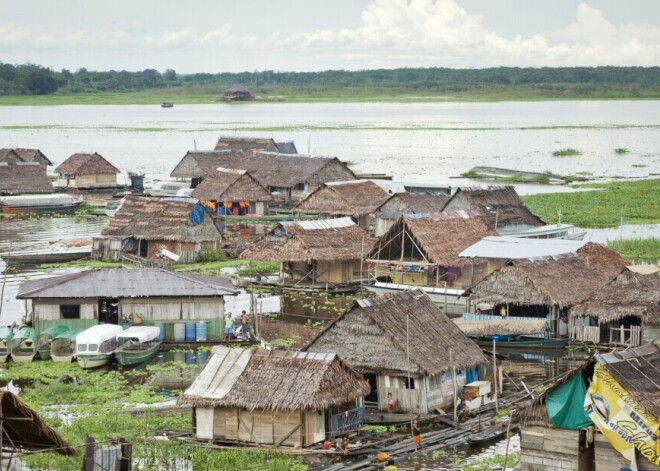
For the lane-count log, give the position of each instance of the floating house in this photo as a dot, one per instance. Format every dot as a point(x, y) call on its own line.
point(275, 397)
point(237, 93)
point(233, 192)
point(17, 178)
point(292, 177)
point(499, 205)
point(315, 253)
point(403, 344)
point(546, 287)
point(357, 199)
point(625, 311)
point(601, 415)
point(86, 171)
point(400, 204)
point(150, 295)
point(31, 155)
point(146, 226)
point(244, 144)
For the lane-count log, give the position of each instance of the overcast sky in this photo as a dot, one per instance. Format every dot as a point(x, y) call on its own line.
point(308, 35)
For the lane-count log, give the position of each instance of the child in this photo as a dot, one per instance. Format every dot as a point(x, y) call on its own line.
point(390, 403)
point(417, 435)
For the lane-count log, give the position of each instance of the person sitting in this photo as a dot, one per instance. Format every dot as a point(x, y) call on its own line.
point(343, 446)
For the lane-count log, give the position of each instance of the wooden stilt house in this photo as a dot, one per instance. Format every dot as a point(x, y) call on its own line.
point(233, 192)
point(85, 171)
point(18, 178)
point(400, 204)
point(275, 397)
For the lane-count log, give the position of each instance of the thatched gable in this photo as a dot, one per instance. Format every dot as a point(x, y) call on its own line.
point(563, 281)
point(274, 380)
point(231, 185)
point(500, 205)
point(24, 430)
point(33, 155)
point(10, 155)
point(500, 327)
point(23, 177)
point(629, 294)
point(145, 218)
point(237, 144)
point(271, 169)
point(303, 241)
point(440, 240)
point(355, 198)
point(371, 337)
point(413, 203)
point(86, 164)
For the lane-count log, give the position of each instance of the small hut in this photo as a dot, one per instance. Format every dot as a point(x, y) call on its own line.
point(32, 155)
point(246, 144)
point(400, 204)
point(403, 344)
point(237, 93)
point(625, 311)
point(275, 397)
point(86, 171)
point(146, 226)
point(358, 199)
point(546, 287)
point(500, 205)
point(315, 253)
point(234, 192)
point(17, 178)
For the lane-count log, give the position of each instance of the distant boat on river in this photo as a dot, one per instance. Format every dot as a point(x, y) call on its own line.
point(54, 203)
point(167, 104)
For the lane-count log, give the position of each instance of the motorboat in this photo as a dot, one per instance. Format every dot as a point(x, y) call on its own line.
point(167, 188)
point(55, 203)
point(63, 346)
point(24, 345)
point(46, 337)
point(6, 334)
point(96, 345)
point(137, 344)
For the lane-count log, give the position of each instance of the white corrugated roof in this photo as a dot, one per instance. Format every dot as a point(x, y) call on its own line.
point(322, 223)
point(518, 248)
point(221, 372)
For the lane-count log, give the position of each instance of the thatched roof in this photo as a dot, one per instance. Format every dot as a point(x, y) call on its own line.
point(371, 337)
point(299, 241)
point(236, 144)
point(231, 185)
point(500, 327)
point(24, 430)
point(23, 177)
point(159, 219)
point(271, 169)
point(355, 198)
point(10, 155)
point(86, 164)
point(564, 280)
point(441, 240)
point(500, 205)
point(33, 155)
point(415, 203)
point(629, 294)
point(274, 380)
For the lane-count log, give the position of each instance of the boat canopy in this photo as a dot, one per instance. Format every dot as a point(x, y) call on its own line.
point(6, 333)
point(37, 200)
point(25, 332)
point(54, 331)
point(139, 333)
point(68, 334)
point(98, 334)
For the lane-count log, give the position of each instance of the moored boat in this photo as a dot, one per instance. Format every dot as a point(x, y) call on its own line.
point(167, 188)
point(6, 334)
point(522, 341)
point(45, 340)
point(56, 202)
point(449, 299)
point(38, 257)
point(137, 344)
point(96, 345)
point(63, 346)
point(24, 345)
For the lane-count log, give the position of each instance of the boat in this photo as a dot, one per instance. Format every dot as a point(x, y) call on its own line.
point(6, 334)
point(24, 345)
point(137, 344)
point(96, 345)
point(54, 203)
point(550, 231)
point(167, 104)
point(38, 257)
point(491, 433)
point(442, 297)
point(46, 337)
point(521, 341)
point(63, 346)
point(167, 188)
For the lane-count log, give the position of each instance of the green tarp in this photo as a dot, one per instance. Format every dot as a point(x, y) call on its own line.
point(565, 404)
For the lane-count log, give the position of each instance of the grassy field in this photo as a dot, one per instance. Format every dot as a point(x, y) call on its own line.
point(637, 250)
point(638, 202)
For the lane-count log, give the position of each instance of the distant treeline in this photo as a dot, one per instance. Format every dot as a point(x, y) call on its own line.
point(30, 79)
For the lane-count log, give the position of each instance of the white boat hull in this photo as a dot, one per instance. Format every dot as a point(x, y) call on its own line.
point(93, 361)
point(62, 359)
point(23, 358)
point(441, 297)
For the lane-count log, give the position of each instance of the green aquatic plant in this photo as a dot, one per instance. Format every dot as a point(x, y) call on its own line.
point(637, 250)
point(621, 150)
point(568, 152)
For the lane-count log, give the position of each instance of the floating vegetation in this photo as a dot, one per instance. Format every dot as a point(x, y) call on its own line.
point(493, 462)
point(621, 150)
point(637, 250)
point(568, 152)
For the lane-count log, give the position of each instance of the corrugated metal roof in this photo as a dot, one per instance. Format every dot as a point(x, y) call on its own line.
point(321, 224)
point(520, 248)
point(126, 283)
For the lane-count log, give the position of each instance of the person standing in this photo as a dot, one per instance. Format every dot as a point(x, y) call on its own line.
point(390, 403)
point(245, 325)
point(416, 435)
point(229, 331)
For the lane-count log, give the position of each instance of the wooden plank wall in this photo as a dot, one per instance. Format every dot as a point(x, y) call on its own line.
point(549, 449)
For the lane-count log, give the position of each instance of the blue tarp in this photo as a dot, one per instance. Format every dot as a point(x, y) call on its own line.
point(471, 375)
point(197, 214)
point(565, 404)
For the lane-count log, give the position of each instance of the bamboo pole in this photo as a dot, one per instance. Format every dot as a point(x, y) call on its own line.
point(4, 282)
point(453, 380)
point(495, 378)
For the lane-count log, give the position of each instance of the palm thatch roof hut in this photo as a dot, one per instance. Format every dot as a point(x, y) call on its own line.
point(376, 336)
point(33, 155)
point(87, 171)
point(273, 396)
point(500, 205)
point(23, 430)
point(237, 93)
point(358, 199)
point(145, 226)
point(400, 204)
point(10, 155)
point(18, 178)
point(625, 310)
point(224, 189)
point(245, 144)
point(322, 252)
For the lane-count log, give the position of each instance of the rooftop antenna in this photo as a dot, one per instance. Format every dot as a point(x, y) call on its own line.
point(559, 217)
point(195, 144)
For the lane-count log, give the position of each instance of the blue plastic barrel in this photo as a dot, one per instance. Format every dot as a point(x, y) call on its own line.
point(201, 331)
point(190, 358)
point(190, 331)
point(161, 336)
point(201, 357)
point(179, 332)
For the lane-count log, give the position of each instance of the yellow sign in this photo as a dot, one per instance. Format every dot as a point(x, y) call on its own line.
point(621, 419)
